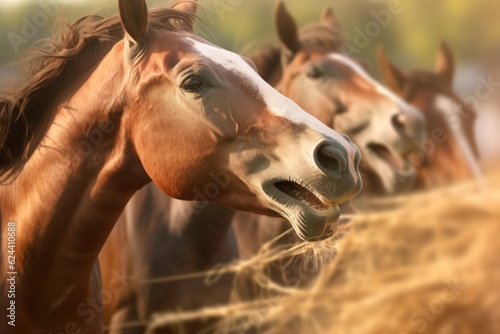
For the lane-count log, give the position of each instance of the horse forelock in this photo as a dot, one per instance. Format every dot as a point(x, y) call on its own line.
point(419, 79)
point(322, 35)
point(267, 58)
point(449, 106)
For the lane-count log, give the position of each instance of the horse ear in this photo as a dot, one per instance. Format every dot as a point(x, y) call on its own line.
point(329, 18)
point(445, 64)
point(190, 7)
point(392, 75)
point(287, 30)
point(134, 17)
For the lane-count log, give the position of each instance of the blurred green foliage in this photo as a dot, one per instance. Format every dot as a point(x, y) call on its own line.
point(471, 27)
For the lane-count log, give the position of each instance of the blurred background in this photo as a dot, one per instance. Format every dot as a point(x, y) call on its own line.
point(411, 36)
point(409, 31)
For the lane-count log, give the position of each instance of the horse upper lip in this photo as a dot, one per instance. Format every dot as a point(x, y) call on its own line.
point(302, 193)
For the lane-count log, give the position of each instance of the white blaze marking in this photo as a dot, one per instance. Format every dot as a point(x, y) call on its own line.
point(275, 101)
point(451, 114)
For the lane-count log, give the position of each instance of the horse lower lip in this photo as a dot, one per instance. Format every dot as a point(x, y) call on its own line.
point(330, 230)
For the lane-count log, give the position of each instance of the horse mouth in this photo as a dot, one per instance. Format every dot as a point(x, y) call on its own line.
point(392, 159)
point(395, 173)
point(301, 194)
point(312, 217)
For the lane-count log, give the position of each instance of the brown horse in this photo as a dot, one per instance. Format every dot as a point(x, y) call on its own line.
point(345, 97)
point(450, 152)
point(110, 109)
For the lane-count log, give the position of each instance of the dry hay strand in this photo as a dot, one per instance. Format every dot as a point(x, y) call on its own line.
point(424, 263)
point(428, 266)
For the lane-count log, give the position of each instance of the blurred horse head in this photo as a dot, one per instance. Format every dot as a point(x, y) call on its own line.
point(450, 152)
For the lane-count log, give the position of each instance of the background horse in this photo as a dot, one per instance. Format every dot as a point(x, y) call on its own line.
point(167, 107)
point(450, 152)
point(378, 122)
point(336, 90)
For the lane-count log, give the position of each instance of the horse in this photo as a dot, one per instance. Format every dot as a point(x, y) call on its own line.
point(374, 118)
point(450, 152)
point(136, 98)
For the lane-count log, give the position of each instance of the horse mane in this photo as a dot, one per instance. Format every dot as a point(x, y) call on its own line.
point(80, 46)
point(267, 59)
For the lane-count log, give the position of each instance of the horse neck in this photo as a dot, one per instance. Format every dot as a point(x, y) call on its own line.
point(200, 238)
point(70, 193)
point(206, 230)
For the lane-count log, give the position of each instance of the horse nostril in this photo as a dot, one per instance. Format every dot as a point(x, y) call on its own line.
point(399, 122)
point(338, 163)
point(329, 158)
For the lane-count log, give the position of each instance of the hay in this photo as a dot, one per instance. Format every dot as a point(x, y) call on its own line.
point(425, 263)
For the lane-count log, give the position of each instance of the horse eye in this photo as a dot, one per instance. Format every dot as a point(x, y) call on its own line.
point(314, 73)
point(193, 85)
